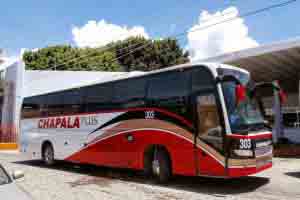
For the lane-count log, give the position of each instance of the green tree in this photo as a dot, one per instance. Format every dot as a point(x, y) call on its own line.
point(65, 57)
point(150, 54)
point(134, 53)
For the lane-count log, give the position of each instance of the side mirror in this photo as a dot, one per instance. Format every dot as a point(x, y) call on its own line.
point(282, 96)
point(17, 175)
point(240, 93)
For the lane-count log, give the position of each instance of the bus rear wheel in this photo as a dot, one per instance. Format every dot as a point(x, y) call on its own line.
point(48, 154)
point(161, 165)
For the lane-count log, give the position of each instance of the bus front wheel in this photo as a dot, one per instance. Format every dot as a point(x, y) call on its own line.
point(48, 154)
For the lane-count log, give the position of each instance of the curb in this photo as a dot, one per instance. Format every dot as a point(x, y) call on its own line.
point(8, 146)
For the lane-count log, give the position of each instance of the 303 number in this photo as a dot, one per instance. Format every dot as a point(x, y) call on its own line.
point(245, 144)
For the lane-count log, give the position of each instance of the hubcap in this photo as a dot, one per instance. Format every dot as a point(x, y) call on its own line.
point(48, 155)
point(155, 167)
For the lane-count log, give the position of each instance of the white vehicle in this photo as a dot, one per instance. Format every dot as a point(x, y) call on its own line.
point(8, 189)
point(158, 122)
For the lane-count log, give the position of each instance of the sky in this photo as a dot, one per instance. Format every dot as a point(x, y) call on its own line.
point(33, 24)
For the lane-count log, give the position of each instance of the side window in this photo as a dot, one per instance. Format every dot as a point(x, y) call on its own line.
point(98, 97)
point(168, 85)
point(130, 93)
point(170, 91)
point(72, 100)
point(202, 79)
point(34, 107)
point(209, 127)
point(54, 104)
point(30, 108)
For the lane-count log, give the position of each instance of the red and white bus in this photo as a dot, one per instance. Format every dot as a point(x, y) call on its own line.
point(192, 119)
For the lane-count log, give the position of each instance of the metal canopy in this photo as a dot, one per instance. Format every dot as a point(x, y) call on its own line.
point(277, 61)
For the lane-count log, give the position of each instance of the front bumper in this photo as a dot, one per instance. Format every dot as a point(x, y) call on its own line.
point(246, 171)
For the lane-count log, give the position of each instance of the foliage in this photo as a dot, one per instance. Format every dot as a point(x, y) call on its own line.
point(64, 57)
point(116, 56)
point(150, 55)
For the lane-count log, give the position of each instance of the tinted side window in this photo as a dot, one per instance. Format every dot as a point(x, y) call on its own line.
point(168, 85)
point(170, 91)
point(98, 97)
point(54, 99)
point(34, 106)
point(202, 79)
point(54, 104)
point(72, 97)
point(30, 108)
point(130, 93)
point(72, 101)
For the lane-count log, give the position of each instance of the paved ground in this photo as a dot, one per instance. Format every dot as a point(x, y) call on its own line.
point(70, 182)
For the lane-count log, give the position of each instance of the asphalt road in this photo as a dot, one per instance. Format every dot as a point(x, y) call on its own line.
point(70, 182)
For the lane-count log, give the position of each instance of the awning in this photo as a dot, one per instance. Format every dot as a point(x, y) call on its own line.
point(277, 61)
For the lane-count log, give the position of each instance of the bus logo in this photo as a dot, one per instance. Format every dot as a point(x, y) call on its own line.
point(149, 114)
point(59, 122)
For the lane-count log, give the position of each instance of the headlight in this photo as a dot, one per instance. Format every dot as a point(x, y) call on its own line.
point(248, 153)
point(263, 144)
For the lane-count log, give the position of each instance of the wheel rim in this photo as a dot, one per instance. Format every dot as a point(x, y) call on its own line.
point(156, 167)
point(48, 155)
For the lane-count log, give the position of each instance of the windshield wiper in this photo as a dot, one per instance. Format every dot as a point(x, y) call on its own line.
point(242, 129)
point(259, 127)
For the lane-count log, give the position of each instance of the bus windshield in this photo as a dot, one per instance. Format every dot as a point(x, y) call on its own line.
point(244, 116)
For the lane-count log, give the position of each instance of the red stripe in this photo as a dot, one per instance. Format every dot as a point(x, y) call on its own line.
point(256, 136)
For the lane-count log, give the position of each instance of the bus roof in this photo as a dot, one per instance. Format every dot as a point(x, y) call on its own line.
point(65, 80)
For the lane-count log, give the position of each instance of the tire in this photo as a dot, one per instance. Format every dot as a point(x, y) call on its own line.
point(148, 166)
point(161, 166)
point(48, 155)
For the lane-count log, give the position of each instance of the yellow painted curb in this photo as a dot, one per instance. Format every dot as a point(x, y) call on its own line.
point(8, 146)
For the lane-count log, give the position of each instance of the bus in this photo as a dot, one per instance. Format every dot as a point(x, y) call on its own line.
point(191, 120)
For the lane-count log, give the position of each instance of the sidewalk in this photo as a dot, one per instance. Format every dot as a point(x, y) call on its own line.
point(9, 151)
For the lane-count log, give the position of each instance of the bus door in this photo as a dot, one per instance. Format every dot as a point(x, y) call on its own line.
point(209, 134)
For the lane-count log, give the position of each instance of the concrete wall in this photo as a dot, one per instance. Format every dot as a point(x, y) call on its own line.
point(12, 82)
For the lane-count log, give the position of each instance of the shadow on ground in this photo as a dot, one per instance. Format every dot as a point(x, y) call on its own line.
point(104, 176)
point(293, 174)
